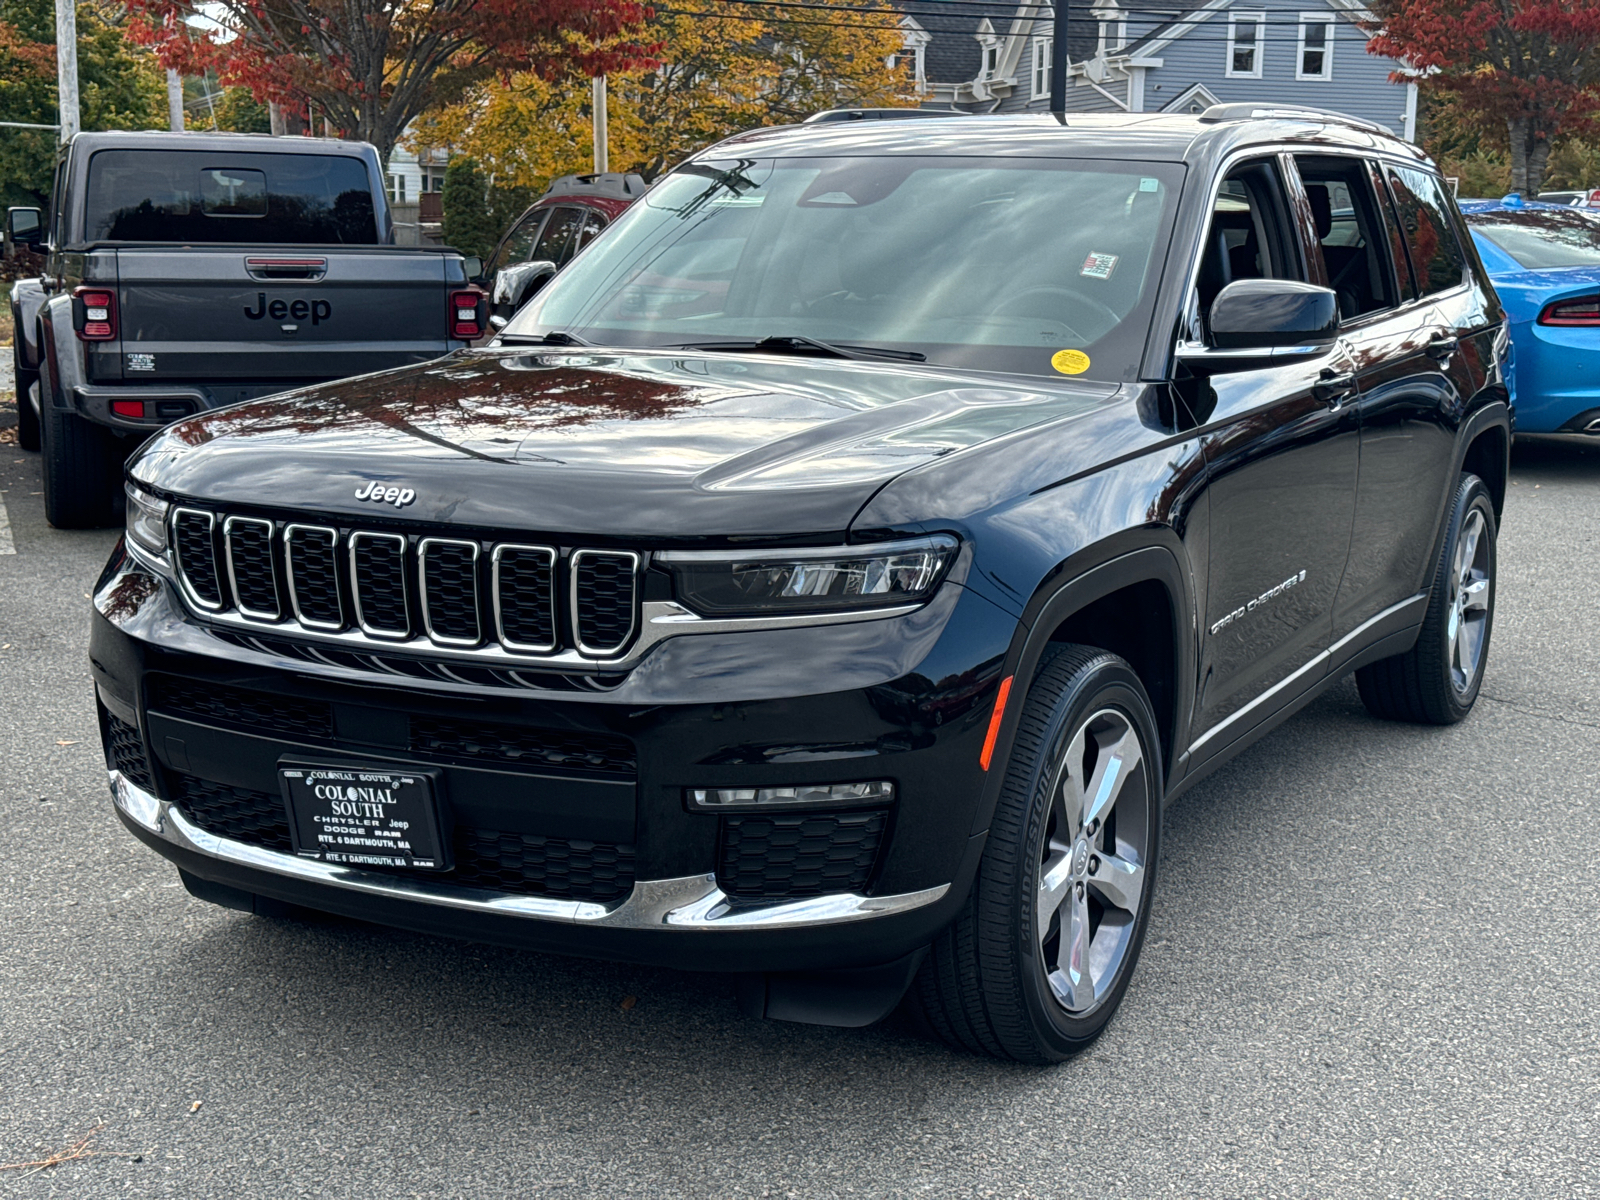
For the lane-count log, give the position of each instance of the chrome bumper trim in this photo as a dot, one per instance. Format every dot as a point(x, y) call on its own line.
point(688, 903)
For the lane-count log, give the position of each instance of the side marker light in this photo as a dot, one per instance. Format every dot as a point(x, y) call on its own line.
point(994, 722)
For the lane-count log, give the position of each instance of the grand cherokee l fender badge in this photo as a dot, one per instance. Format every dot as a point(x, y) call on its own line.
point(1269, 594)
point(399, 497)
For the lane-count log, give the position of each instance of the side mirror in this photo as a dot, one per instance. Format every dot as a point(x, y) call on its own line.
point(24, 227)
point(472, 265)
point(514, 286)
point(1263, 322)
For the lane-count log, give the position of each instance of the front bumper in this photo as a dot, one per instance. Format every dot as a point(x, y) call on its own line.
point(700, 710)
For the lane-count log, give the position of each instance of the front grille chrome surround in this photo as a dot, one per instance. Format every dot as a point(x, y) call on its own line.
point(248, 543)
point(613, 644)
point(434, 585)
point(397, 631)
point(197, 566)
point(311, 553)
point(511, 562)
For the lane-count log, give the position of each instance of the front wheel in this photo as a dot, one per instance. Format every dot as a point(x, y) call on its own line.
point(1436, 682)
point(1040, 958)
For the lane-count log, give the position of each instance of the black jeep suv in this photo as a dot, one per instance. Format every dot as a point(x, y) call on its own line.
point(829, 577)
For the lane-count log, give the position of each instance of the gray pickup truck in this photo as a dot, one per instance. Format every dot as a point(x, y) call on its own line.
point(189, 271)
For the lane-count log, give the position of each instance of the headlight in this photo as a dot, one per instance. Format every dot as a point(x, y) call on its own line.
point(774, 582)
point(147, 520)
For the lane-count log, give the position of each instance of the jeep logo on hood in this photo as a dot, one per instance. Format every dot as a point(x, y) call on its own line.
point(289, 310)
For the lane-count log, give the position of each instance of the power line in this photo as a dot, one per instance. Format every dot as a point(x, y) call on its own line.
point(1187, 39)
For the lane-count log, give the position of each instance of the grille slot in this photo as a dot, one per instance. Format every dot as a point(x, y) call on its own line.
point(378, 583)
point(125, 751)
point(312, 552)
point(236, 707)
point(789, 855)
point(525, 597)
point(252, 570)
point(522, 863)
point(449, 572)
point(476, 741)
point(603, 599)
point(195, 549)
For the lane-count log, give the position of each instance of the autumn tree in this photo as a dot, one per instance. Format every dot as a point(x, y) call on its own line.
point(118, 88)
point(1532, 66)
point(723, 67)
point(368, 67)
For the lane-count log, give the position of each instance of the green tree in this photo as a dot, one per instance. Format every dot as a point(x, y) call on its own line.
point(239, 112)
point(118, 88)
point(476, 210)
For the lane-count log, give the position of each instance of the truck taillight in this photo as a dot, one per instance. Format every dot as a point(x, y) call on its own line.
point(94, 314)
point(1581, 310)
point(466, 315)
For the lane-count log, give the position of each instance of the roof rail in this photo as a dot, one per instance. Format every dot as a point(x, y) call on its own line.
point(878, 114)
point(1219, 113)
point(612, 184)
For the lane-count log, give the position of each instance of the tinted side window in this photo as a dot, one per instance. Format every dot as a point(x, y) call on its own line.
point(1350, 233)
point(1249, 235)
point(200, 196)
point(555, 243)
point(1397, 244)
point(519, 243)
point(1436, 256)
point(593, 223)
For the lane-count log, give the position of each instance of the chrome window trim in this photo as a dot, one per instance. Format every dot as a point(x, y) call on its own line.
point(288, 565)
point(181, 572)
point(635, 559)
point(688, 904)
point(272, 565)
point(386, 635)
point(499, 621)
point(422, 584)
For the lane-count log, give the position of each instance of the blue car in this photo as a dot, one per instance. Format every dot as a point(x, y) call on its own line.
point(1544, 260)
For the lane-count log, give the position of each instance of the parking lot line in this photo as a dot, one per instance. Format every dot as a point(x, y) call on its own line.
point(7, 546)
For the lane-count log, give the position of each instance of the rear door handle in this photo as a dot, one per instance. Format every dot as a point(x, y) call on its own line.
point(1333, 388)
point(1441, 346)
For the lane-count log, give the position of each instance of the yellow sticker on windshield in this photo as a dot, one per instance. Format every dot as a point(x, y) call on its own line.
point(1070, 362)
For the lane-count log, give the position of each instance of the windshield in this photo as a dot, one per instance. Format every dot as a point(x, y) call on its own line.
point(1541, 239)
point(1036, 266)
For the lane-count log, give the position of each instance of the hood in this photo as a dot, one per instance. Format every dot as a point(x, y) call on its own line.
point(636, 444)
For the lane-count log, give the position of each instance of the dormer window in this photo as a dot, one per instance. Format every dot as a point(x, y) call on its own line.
point(991, 61)
point(1246, 32)
point(1314, 54)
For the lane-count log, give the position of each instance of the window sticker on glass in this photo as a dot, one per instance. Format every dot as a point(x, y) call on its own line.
point(1147, 184)
point(1099, 266)
point(1070, 362)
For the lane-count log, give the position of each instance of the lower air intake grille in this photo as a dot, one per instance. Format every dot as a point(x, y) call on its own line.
point(482, 742)
point(603, 599)
point(196, 552)
point(789, 855)
point(250, 565)
point(522, 863)
point(230, 706)
point(378, 578)
point(125, 752)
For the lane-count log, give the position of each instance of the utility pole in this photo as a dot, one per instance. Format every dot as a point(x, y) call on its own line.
point(275, 116)
point(67, 67)
point(1058, 58)
point(175, 100)
point(602, 152)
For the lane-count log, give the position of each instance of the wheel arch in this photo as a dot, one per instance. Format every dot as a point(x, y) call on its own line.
point(1487, 456)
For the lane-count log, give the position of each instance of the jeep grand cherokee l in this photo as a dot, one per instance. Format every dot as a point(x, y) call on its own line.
point(830, 575)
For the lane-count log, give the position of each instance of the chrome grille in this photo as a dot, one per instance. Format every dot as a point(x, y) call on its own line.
point(603, 599)
point(195, 549)
point(378, 582)
point(252, 567)
point(449, 571)
point(409, 588)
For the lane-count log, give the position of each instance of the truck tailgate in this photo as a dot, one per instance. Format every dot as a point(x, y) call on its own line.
point(233, 313)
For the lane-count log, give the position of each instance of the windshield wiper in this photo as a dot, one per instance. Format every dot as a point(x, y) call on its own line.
point(554, 338)
point(795, 344)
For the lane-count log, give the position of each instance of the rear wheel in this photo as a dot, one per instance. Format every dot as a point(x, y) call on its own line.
point(1040, 958)
point(1436, 682)
point(82, 470)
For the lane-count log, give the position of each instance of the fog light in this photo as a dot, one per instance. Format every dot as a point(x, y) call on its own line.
point(812, 795)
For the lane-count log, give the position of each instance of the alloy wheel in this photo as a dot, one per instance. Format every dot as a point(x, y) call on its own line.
point(1468, 623)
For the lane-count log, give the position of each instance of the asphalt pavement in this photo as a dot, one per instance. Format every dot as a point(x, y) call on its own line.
point(1373, 971)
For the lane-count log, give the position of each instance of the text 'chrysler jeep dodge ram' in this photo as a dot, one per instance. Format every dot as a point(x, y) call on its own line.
point(830, 575)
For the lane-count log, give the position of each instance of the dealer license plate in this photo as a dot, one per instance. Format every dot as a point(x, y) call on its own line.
point(360, 817)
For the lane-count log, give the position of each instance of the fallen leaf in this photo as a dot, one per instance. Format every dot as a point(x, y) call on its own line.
point(65, 742)
point(628, 1002)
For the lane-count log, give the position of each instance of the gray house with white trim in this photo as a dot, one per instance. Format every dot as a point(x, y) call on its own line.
point(1134, 57)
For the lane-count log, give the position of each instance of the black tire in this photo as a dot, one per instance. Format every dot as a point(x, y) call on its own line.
point(82, 470)
point(987, 983)
point(1427, 684)
point(27, 419)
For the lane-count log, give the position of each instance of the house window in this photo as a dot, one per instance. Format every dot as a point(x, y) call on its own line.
point(397, 188)
point(1042, 48)
point(991, 61)
point(1246, 32)
point(912, 58)
point(1315, 51)
point(432, 179)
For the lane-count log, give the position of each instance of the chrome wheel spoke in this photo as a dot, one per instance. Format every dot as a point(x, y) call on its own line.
point(1118, 881)
point(1475, 596)
point(1070, 798)
point(1055, 885)
point(1075, 955)
point(1117, 761)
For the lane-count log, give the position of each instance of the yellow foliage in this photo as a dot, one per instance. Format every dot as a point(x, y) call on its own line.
point(722, 72)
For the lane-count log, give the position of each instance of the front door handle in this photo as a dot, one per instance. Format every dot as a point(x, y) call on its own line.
point(1441, 346)
point(1333, 388)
